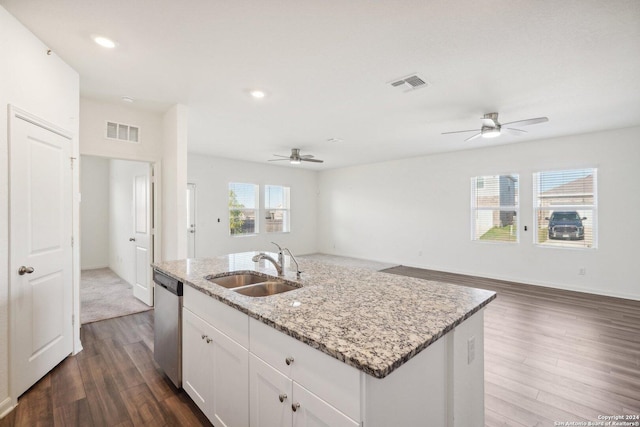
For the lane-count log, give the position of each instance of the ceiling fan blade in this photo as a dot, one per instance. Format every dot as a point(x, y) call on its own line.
point(278, 155)
point(307, 156)
point(305, 159)
point(460, 131)
point(278, 160)
point(471, 138)
point(527, 122)
point(513, 131)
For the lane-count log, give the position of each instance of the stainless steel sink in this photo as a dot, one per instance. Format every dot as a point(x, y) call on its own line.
point(237, 280)
point(265, 289)
point(253, 285)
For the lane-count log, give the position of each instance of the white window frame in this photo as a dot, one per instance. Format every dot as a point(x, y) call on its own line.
point(506, 208)
point(286, 211)
point(256, 209)
point(537, 208)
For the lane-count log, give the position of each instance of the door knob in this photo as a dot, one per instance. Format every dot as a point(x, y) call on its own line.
point(25, 270)
point(282, 397)
point(295, 406)
point(132, 239)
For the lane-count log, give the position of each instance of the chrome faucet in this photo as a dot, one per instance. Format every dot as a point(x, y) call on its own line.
point(294, 260)
point(280, 255)
point(261, 255)
point(279, 265)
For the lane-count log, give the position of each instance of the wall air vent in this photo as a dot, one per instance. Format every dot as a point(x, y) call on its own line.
point(122, 132)
point(409, 83)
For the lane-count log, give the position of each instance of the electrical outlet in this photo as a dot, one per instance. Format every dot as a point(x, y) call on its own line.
point(471, 350)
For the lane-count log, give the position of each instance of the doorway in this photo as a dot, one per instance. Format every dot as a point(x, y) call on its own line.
point(116, 231)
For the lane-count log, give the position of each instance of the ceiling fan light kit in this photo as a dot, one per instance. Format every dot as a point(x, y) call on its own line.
point(492, 128)
point(295, 158)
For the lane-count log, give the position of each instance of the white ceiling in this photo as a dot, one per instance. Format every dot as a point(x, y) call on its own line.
point(326, 65)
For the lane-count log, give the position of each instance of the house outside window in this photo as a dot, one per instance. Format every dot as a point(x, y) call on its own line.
point(277, 209)
point(243, 209)
point(566, 208)
point(494, 208)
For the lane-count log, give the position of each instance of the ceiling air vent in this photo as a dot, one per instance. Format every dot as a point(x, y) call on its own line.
point(409, 83)
point(122, 132)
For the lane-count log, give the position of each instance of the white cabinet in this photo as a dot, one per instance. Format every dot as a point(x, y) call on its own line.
point(278, 401)
point(215, 372)
point(335, 382)
point(242, 372)
point(196, 358)
point(270, 394)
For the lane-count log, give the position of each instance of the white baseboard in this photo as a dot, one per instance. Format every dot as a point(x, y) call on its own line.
point(93, 267)
point(561, 286)
point(7, 406)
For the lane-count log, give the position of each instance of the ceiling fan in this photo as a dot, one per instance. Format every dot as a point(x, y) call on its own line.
point(491, 127)
point(295, 158)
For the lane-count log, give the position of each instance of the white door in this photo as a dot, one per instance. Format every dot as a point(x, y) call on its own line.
point(191, 220)
point(40, 205)
point(142, 231)
point(270, 394)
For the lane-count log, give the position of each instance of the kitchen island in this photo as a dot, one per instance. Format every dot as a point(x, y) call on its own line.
point(376, 349)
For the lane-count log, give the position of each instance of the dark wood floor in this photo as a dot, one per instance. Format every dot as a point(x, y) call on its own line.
point(553, 355)
point(114, 381)
point(550, 355)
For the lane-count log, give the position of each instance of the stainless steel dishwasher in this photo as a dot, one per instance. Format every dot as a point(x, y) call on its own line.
point(167, 341)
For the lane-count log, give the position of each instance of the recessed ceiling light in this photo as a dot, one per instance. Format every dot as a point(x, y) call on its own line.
point(257, 93)
point(128, 99)
point(104, 42)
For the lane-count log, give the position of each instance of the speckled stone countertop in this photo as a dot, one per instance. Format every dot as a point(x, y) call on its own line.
point(370, 320)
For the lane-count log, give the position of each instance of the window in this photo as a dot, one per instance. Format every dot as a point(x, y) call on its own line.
point(276, 206)
point(566, 208)
point(494, 208)
point(243, 209)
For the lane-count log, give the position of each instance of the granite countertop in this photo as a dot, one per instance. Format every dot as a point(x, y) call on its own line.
point(370, 320)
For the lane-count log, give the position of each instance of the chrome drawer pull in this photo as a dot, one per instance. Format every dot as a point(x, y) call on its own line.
point(295, 407)
point(289, 360)
point(282, 397)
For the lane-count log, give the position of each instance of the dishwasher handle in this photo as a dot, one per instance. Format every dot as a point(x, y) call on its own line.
point(169, 283)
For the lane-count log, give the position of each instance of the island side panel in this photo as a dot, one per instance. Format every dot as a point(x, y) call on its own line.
point(468, 372)
point(442, 385)
point(412, 395)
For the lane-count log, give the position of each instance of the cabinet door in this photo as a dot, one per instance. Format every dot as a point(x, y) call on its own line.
point(270, 395)
point(196, 360)
point(311, 411)
point(230, 383)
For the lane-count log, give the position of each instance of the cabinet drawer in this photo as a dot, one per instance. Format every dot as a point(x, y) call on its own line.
point(334, 381)
point(226, 319)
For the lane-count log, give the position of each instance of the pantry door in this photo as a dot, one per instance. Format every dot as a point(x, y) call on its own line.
point(40, 241)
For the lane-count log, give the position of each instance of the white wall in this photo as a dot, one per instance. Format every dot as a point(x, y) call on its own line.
point(93, 117)
point(212, 177)
point(174, 183)
point(94, 212)
point(47, 87)
point(416, 212)
point(121, 250)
